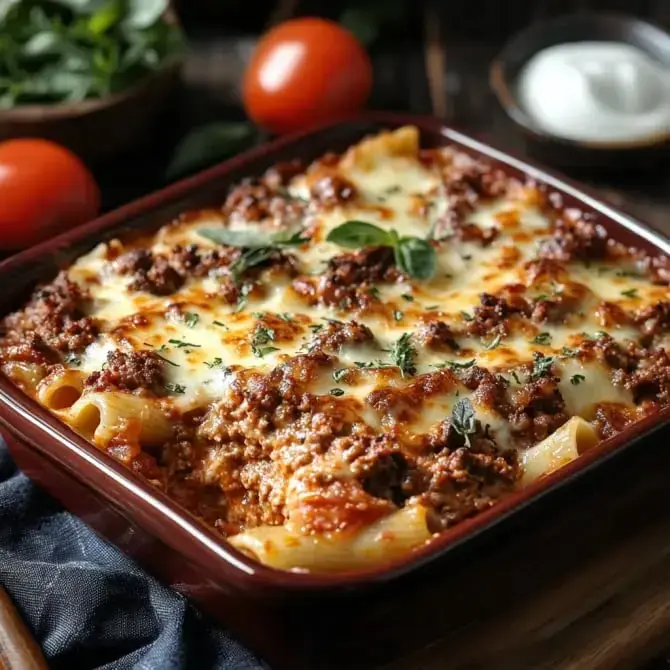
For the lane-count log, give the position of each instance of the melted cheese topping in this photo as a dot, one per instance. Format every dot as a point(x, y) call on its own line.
point(205, 336)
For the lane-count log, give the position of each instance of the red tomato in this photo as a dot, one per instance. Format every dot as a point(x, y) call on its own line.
point(44, 190)
point(305, 72)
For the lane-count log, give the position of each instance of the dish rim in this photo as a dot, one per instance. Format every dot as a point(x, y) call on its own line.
point(212, 552)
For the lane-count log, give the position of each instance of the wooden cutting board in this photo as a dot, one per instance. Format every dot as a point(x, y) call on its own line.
point(18, 649)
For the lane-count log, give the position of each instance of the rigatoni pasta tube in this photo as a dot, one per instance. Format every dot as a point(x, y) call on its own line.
point(386, 539)
point(108, 415)
point(562, 446)
point(61, 390)
point(26, 375)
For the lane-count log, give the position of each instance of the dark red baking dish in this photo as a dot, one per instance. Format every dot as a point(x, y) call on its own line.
point(293, 620)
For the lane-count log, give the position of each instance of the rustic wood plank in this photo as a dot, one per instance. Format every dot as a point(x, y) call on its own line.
point(18, 649)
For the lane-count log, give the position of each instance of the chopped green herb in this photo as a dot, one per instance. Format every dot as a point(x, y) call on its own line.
point(431, 307)
point(181, 344)
point(456, 365)
point(567, 352)
point(542, 338)
point(630, 293)
point(403, 354)
point(374, 292)
point(542, 297)
point(629, 273)
point(408, 297)
point(371, 365)
point(575, 380)
point(339, 374)
point(191, 319)
point(336, 392)
point(167, 360)
point(217, 362)
point(467, 257)
point(243, 296)
point(175, 388)
point(463, 419)
point(315, 327)
point(285, 316)
point(261, 337)
point(253, 238)
point(220, 323)
point(396, 188)
point(494, 343)
point(258, 315)
point(398, 315)
point(466, 316)
point(73, 359)
point(515, 376)
point(541, 365)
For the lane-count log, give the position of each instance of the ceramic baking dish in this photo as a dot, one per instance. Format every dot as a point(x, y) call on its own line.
point(292, 620)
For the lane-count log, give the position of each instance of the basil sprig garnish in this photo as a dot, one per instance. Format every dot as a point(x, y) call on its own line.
point(253, 239)
point(258, 245)
point(414, 256)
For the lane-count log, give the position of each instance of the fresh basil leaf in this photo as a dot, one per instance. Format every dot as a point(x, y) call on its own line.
point(416, 257)
point(209, 144)
point(106, 17)
point(42, 44)
point(252, 238)
point(6, 6)
point(463, 419)
point(144, 13)
point(81, 6)
point(357, 234)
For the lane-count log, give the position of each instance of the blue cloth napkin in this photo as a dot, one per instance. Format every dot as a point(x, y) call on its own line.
point(90, 606)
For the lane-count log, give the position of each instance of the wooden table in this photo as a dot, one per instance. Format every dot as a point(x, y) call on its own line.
point(588, 582)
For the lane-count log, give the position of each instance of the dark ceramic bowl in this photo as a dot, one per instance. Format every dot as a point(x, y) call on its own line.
point(297, 620)
point(505, 69)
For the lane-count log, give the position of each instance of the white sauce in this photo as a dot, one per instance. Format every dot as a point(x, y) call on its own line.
point(596, 91)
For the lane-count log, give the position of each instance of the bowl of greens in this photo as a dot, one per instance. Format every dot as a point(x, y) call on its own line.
point(89, 74)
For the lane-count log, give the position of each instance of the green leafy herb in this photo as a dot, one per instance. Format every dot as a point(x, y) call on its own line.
point(542, 338)
point(541, 365)
point(408, 297)
point(567, 352)
point(220, 324)
point(253, 238)
point(336, 392)
point(209, 144)
point(630, 293)
point(456, 365)
point(432, 307)
point(262, 336)
point(515, 376)
point(339, 374)
point(191, 319)
point(629, 273)
point(463, 419)
point(414, 256)
point(371, 365)
point(72, 359)
point(216, 363)
point(374, 292)
point(494, 343)
point(181, 344)
point(575, 380)
point(315, 327)
point(167, 360)
point(403, 354)
point(285, 316)
point(175, 388)
point(243, 297)
point(398, 315)
point(466, 316)
point(70, 50)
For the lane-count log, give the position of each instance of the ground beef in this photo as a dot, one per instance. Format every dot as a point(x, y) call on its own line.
point(650, 380)
point(559, 307)
point(583, 240)
point(654, 319)
point(128, 371)
point(256, 201)
point(490, 318)
point(336, 334)
point(536, 410)
point(333, 190)
point(279, 175)
point(194, 261)
point(465, 480)
point(471, 232)
point(349, 277)
point(437, 335)
point(619, 356)
point(53, 319)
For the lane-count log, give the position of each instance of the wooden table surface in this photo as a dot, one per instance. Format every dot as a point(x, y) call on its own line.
point(591, 576)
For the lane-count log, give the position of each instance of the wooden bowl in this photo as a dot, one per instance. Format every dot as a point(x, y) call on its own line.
point(505, 70)
point(101, 128)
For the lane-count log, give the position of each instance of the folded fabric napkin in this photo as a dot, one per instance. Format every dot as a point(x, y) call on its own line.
point(90, 606)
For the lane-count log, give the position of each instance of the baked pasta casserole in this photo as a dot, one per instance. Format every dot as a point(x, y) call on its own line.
point(348, 357)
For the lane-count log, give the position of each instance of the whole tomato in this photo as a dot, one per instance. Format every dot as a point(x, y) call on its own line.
point(305, 72)
point(44, 190)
